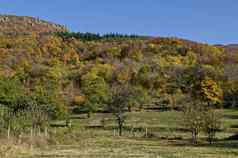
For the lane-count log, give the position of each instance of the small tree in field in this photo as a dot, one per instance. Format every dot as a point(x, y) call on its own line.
point(193, 119)
point(211, 124)
point(120, 100)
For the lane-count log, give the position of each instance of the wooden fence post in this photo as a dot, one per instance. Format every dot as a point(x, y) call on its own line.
point(46, 132)
point(146, 132)
point(8, 132)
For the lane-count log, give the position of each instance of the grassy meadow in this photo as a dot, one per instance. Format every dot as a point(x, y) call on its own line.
point(146, 135)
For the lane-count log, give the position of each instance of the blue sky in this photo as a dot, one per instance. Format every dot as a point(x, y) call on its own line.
point(210, 21)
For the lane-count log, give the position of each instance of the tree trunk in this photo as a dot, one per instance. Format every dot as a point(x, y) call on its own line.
point(120, 125)
point(129, 108)
point(68, 123)
point(89, 114)
point(120, 130)
point(194, 137)
point(211, 137)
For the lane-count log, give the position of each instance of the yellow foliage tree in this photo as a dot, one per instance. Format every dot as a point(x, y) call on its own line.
point(211, 91)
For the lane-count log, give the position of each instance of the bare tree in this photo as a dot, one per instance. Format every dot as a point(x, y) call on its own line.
point(120, 98)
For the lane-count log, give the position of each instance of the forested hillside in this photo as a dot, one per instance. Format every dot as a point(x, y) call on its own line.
point(77, 66)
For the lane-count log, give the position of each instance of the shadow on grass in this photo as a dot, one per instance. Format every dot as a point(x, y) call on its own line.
point(78, 117)
point(216, 144)
point(234, 126)
point(231, 116)
point(233, 137)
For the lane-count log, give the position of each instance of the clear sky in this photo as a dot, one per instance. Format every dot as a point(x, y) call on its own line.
point(211, 21)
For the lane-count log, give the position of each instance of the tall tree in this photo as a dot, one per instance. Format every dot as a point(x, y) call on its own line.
point(96, 92)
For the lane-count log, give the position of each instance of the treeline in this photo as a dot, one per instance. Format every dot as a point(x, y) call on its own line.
point(95, 37)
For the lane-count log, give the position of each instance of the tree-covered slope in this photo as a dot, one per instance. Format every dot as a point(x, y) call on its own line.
point(80, 70)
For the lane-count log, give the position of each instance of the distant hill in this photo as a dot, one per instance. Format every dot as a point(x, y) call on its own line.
point(232, 45)
point(235, 46)
point(230, 48)
point(24, 24)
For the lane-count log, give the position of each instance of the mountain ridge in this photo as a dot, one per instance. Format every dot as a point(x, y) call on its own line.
point(27, 24)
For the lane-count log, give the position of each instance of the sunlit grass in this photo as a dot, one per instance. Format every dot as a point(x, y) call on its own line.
point(90, 139)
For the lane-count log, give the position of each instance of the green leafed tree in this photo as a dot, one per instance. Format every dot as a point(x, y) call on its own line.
point(96, 92)
point(10, 90)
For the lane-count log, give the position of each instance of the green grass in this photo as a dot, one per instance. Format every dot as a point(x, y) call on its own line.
point(88, 139)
